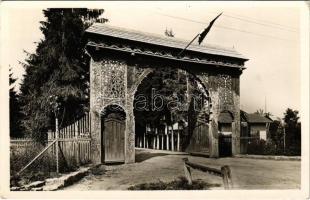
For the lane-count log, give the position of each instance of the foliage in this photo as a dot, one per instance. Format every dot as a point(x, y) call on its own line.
point(15, 110)
point(39, 170)
point(179, 184)
point(261, 147)
point(292, 132)
point(276, 135)
point(170, 85)
point(262, 113)
point(283, 139)
point(59, 67)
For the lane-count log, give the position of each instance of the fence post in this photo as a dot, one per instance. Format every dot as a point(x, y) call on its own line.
point(162, 142)
point(226, 176)
point(77, 144)
point(57, 145)
point(187, 172)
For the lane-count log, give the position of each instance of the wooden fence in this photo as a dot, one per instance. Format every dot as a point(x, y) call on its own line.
point(170, 141)
point(73, 141)
point(70, 147)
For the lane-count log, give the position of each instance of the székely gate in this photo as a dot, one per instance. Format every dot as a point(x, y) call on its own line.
point(121, 59)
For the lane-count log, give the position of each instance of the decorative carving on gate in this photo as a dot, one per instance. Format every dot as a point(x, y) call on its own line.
point(204, 78)
point(113, 77)
point(140, 74)
point(110, 82)
point(130, 123)
point(225, 92)
point(165, 54)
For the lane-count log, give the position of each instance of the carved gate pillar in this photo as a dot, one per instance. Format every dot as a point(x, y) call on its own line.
point(236, 125)
point(213, 128)
point(130, 131)
point(108, 86)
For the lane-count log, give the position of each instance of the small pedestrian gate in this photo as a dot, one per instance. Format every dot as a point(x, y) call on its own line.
point(114, 135)
point(225, 145)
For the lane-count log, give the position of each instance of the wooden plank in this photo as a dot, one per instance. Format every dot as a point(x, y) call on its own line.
point(203, 168)
point(144, 145)
point(167, 141)
point(162, 142)
point(178, 141)
point(187, 172)
point(172, 139)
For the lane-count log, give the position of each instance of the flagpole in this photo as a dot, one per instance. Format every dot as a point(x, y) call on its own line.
point(202, 34)
point(188, 44)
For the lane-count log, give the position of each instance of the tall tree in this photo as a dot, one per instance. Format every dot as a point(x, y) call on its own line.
point(292, 131)
point(59, 67)
point(15, 111)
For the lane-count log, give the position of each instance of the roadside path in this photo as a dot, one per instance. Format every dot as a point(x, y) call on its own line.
point(155, 165)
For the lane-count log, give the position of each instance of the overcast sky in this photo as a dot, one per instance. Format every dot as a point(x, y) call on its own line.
point(267, 34)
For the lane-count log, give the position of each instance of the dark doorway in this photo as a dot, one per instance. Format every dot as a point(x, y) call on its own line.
point(225, 145)
point(113, 136)
point(226, 121)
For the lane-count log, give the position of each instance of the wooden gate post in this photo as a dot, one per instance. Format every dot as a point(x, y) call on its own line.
point(167, 148)
point(172, 139)
point(144, 145)
point(226, 176)
point(178, 141)
point(57, 144)
point(157, 142)
point(140, 142)
point(162, 142)
point(187, 172)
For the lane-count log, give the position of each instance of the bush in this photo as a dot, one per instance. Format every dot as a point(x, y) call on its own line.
point(261, 147)
point(42, 168)
point(179, 184)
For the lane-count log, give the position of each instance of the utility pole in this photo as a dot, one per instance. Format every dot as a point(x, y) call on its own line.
point(284, 138)
point(265, 106)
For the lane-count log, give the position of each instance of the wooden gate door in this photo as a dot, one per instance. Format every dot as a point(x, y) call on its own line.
point(114, 134)
point(225, 145)
point(199, 141)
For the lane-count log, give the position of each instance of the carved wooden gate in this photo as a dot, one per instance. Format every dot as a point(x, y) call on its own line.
point(114, 135)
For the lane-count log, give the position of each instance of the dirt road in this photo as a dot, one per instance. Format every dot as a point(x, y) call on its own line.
point(155, 165)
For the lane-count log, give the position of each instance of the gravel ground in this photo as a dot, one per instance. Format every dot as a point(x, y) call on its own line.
point(155, 165)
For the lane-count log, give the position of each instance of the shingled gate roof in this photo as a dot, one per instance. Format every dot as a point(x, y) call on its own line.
point(137, 36)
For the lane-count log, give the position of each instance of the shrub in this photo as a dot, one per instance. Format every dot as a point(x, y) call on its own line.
point(178, 184)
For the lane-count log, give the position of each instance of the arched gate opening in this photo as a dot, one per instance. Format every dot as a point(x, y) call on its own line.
point(172, 112)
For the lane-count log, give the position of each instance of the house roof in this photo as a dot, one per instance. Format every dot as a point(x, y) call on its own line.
point(254, 118)
point(149, 38)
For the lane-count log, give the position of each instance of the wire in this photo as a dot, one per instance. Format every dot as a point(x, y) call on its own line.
point(262, 23)
point(266, 22)
point(224, 27)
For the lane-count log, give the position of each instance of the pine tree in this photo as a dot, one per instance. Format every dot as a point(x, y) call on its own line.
point(15, 112)
point(59, 67)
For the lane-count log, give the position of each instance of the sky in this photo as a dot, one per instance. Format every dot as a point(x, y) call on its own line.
point(267, 34)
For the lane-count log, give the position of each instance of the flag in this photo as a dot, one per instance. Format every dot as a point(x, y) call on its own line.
point(203, 34)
